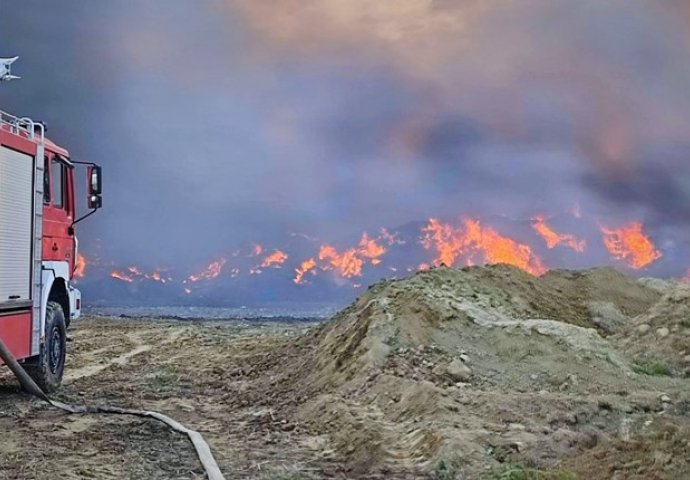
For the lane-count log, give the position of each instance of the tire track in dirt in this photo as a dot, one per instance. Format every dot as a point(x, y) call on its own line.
point(95, 365)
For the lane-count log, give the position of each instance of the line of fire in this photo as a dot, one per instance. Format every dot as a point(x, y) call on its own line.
point(465, 243)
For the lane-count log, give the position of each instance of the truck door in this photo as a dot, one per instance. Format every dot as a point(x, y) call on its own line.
point(58, 210)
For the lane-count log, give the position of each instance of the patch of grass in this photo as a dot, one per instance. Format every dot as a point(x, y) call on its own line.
point(524, 473)
point(447, 469)
point(684, 322)
point(162, 381)
point(651, 368)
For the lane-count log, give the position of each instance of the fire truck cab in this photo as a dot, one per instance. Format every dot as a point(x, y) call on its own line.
point(38, 246)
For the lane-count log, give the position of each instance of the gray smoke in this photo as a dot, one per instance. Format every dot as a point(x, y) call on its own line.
point(221, 123)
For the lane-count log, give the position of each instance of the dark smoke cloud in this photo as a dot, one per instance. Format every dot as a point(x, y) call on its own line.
point(227, 122)
point(579, 103)
point(662, 186)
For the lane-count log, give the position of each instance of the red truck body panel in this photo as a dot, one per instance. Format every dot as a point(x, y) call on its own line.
point(15, 330)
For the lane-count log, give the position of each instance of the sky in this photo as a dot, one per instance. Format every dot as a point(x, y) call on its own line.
point(223, 122)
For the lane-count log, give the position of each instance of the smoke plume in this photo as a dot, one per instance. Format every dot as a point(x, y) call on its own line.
point(223, 124)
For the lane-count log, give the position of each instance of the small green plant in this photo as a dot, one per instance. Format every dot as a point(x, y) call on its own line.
point(447, 469)
point(162, 381)
point(685, 323)
point(524, 473)
point(651, 368)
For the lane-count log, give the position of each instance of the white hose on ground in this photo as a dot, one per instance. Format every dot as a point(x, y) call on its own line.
point(202, 448)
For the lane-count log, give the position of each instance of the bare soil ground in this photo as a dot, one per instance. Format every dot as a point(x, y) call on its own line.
point(451, 374)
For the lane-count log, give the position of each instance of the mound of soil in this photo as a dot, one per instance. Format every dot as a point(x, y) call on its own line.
point(475, 369)
point(456, 309)
point(661, 335)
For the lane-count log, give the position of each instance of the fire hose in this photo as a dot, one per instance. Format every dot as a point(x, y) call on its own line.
point(202, 448)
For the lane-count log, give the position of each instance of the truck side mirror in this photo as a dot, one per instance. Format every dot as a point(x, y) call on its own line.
point(95, 187)
point(95, 183)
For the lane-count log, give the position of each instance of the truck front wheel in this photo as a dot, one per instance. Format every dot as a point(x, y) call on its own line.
point(47, 369)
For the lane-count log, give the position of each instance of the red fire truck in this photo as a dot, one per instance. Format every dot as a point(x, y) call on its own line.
point(38, 246)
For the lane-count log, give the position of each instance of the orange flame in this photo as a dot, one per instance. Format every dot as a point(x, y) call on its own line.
point(212, 271)
point(121, 276)
point(471, 239)
point(448, 241)
point(631, 244)
point(500, 249)
point(553, 238)
point(80, 266)
point(157, 276)
point(368, 248)
point(276, 259)
point(348, 263)
point(306, 266)
point(135, 273)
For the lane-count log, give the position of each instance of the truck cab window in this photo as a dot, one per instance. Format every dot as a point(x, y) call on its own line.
point(57, 182)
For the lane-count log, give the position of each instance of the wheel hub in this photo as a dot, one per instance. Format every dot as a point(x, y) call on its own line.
point(55, 351)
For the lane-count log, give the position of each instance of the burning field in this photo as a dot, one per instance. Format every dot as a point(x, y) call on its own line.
point(325, 145)
point(468, 373)
point(304, 267)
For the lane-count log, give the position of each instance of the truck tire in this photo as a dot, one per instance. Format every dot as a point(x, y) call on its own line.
point(48, 367)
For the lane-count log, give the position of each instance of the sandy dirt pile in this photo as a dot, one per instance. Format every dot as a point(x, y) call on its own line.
point(473, 370)
point(661, 335)
point(444, 307)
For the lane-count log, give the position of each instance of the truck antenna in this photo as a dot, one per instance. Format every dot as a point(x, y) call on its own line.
point(6, 69)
